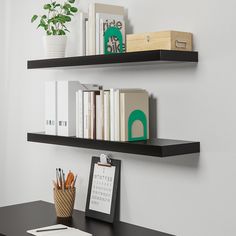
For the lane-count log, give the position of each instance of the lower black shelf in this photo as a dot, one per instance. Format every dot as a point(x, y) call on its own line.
point(152, 147)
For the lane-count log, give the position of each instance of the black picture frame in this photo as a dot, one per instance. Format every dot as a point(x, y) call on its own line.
point(115, 203)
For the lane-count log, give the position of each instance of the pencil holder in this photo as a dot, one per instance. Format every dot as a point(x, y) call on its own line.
point(64, 202)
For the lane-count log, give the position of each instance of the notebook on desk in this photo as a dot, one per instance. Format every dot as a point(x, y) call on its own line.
point(57, 230)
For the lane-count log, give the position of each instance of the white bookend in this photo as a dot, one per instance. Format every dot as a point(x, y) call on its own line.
point(82, 33)
point(99, 8)
point(98, 117)
point(51, 107)
point(107, 115)
point(112, 114)
point(117, 115)
point(66, 107)
point(87, 114)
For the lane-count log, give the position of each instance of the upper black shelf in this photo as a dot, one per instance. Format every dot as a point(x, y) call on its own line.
point(129, 57)
point(151, 147)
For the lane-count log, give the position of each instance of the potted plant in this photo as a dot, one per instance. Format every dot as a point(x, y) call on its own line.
point(54, 23)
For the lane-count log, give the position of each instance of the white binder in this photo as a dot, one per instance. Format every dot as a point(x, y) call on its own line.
point(51, 107)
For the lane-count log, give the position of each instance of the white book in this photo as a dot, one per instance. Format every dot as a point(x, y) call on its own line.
point(87, 114)
point(87, 37)
point(107, 115)
point(117, 115)
point(80, 114)
point(80, 108)
point(93, 115)
point(66, 107)
point(51, 107)
point(82, 33)
point(112, 114)
point(98, 117)
point(104, 22)
point(99, 8)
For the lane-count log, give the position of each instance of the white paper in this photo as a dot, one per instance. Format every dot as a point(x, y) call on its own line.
point(102, 189)
point(66, 232)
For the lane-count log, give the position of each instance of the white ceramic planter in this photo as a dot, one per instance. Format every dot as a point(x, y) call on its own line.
point(55, 46)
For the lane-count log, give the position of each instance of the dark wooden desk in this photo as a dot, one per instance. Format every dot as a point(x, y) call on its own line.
point(17, 219)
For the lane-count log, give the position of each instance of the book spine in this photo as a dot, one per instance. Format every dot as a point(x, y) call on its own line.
point(102, 112)
point(77, 114)
point(97, 34)
point(98, 117)
point(51, 107)
point(101, 37)
point(87, 114)
point(87, 37)
point(93, 116)
point(112, 114)
point(117, 115)
point(107, 115)
point(81, 114)
point(91, 30)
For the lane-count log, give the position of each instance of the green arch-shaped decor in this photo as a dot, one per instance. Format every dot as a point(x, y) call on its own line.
point(113, 32)
point(137, 115)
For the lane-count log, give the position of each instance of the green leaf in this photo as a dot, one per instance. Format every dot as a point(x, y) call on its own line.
point(67, 18)
point(62, 32)
point(44, 17)
point(71, 1)
point(74, 9)
point(47, 7)
point(49, 33)
point(67, 6)
point(34, 18)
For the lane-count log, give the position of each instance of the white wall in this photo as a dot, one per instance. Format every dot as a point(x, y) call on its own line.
point(188, 195)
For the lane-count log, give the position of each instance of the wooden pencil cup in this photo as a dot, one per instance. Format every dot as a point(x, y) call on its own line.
point(64, 202)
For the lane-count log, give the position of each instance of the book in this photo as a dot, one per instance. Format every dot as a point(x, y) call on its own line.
point(99, 8)
point(79, 114)
point(134, 116)
point(83, 17)
point(107, 115)
point(93, 115)
point(117, 115)
point(117, 109)
point(66, 107)
point(112, 114)
point(100, 115)
point(103, 21)
point(80, 108)
point(86, 37)
point(51, 107)
point(106, 21)
point(87, 114)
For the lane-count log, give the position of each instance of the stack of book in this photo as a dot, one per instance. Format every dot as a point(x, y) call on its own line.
point(89, 112)
point(94, 25)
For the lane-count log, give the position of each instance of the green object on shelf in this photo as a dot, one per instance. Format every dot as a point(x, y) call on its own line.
point(113, 32)
point(134, 116)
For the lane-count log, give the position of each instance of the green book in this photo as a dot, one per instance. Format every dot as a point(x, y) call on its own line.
point(134, 116)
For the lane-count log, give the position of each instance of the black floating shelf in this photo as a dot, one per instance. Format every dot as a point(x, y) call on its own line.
point(152, 147)
point(120, 58)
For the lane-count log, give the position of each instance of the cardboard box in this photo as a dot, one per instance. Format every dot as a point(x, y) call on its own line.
point(166, 40)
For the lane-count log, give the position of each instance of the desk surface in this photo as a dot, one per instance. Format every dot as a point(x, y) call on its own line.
point(16, 219)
